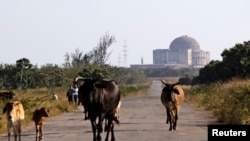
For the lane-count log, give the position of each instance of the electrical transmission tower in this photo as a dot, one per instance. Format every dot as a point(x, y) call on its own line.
point(125, 53)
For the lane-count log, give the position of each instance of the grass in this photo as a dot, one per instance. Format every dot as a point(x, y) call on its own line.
point(230, 101)
point(33, 99)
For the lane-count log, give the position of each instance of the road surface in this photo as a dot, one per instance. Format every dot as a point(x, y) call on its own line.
point(142, 118)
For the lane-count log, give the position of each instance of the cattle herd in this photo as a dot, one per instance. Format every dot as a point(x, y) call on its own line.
point(101, 100)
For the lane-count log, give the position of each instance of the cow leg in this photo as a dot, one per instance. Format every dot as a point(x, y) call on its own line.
point(100, 122)
point(171, 125)
point(94, 127)
point(8, 136)
point(41, 131)
point(106, 125)
point(110, 128)
point(175, 119)
point(15, 128)
point(9, 132)
point(112, 131)
point(170, 119)
point(15, 132)
point(99, 131)
point(175, 124)
point(19, 130)
point(107, 128)
point(99, 137)
point(37, 132)
point(86, 112)
point(15, 137)
point(167, 116)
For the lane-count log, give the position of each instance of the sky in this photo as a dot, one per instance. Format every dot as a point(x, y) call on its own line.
point(43, 31)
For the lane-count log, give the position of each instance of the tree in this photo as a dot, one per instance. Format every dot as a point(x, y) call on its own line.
point(235, 63)
point(237, 59)
point(98, 56)
point(24, 67)
point(74, 59)
point(100, 53)
point(52, 76)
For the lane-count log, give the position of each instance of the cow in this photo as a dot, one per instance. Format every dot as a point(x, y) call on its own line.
point(101, 98)
point(15, 115)
point(172, 97)
point(38, 118)
point(84, 91)
point(7, 95)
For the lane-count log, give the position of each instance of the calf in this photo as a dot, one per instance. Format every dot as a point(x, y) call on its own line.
point(7, 95)
point(15, 115)
point(172, 97)
point(39, 117)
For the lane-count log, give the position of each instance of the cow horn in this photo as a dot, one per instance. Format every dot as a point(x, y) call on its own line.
point(78, 78)
point(163, 81)
point(176, 83)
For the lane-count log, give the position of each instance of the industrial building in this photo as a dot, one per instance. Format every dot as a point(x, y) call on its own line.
point(183, 51)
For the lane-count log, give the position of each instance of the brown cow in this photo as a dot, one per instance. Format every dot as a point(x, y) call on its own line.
point(39, 117)
point(172, 97)
point(15, 115)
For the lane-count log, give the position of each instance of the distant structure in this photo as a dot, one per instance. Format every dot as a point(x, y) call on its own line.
point(125, 53)
point(141, 60)
point(184, 51)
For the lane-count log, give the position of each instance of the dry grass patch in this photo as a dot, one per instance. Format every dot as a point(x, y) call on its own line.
point(37, 98)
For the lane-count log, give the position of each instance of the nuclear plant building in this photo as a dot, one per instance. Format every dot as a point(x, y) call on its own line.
point(183, 50)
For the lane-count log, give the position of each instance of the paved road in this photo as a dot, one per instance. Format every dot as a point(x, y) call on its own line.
point(142, 119)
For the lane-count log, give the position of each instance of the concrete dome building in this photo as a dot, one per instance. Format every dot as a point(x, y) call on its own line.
point(184, 43)
point(183, 50)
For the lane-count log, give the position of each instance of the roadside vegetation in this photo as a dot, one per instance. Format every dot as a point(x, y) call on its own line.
point(229, 101)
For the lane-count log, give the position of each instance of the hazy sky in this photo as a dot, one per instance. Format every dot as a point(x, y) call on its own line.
point(45, 30)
